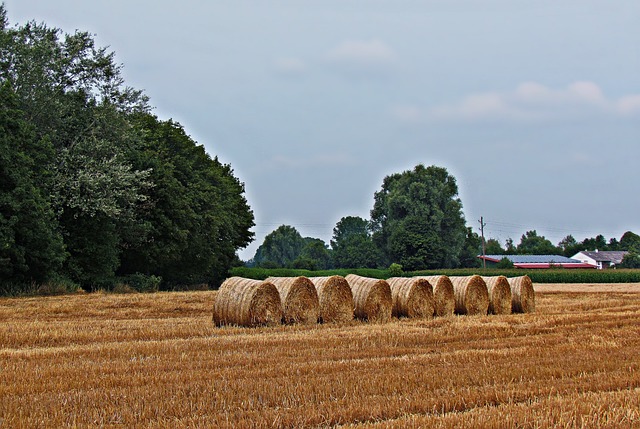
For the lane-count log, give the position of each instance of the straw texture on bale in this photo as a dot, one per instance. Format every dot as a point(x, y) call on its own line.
point(336, 298)
point(444, 301)
point(371, 297)
point(523, 297)
point(411, 297)
point(247, 302)
point(499, 294)
point(472, 296)
point(299, 299)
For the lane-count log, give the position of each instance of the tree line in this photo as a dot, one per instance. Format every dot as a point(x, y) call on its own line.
point(416, 222)
point(94, 189)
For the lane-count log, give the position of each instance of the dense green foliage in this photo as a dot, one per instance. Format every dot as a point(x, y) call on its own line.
point(558, 275)
point(94, 190)
point(352, 244)
point(417, 219)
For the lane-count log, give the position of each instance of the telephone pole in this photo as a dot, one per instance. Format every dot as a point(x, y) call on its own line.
point(482, 225)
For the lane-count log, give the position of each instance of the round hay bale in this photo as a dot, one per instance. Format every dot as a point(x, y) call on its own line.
point(472, 296)
point(371, 297)
point(523, 297)
point(336, 299)
point(299, 299)
point(499, 294)
point(412, 297)
point(247, 302)
point(444, 301)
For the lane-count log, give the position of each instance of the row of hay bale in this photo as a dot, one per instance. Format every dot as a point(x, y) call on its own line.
point(303, 300)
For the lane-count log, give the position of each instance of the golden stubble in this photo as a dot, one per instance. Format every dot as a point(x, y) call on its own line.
point(157, 361)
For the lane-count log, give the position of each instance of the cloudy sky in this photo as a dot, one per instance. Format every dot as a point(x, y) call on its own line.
point(534, 106)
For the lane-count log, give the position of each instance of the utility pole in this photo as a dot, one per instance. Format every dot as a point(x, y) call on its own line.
point(484, 260)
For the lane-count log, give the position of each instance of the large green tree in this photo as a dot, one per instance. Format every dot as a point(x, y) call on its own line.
point(280, 248)
point(197, 214)
point(73, 95)
point(471, 249)
point(127, 193)
point(630, 241)
point(533, 244)
point(353, 245)
point(417, 219)
point(31, 246)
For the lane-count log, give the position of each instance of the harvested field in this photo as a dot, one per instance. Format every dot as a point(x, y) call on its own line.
point(158, 361)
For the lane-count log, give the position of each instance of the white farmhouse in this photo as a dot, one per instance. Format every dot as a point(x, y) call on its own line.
point(600, 260)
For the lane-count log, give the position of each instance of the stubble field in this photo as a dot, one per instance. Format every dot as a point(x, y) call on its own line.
point(156, 360)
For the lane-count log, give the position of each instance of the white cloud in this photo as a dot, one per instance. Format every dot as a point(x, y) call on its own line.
point(532, 101)
point(289, 66)
point(362, 57)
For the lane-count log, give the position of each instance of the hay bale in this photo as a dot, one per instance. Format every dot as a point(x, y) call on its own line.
point(444, 301)
point(336, 299)
point(412, 297)
point(523, 297)
point(247, 302)
point(299, 299)
point(499, 294)
point(371, 297)
point(471, 294)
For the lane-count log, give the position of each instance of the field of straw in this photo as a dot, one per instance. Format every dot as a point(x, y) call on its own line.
point(158, 361)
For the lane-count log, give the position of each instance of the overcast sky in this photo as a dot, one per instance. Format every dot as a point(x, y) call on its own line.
point(534, 106)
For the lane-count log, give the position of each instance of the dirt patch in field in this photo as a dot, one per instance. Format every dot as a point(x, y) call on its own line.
point(587, 287)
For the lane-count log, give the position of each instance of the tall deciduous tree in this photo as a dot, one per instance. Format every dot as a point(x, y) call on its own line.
point(280, 247)
point(630, 241)
point(197, 217)
point(31, 246)
point(533, 244)
point(417, 219)
point(353, 245)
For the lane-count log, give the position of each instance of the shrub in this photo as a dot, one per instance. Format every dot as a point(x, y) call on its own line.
point(395, 270)
point(139, 282)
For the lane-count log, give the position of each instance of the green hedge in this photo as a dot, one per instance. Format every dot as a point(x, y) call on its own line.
point(537, 276)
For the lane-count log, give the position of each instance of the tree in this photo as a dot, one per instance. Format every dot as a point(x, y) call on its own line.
point(631, 260)
point(280, 248)
point(509, 247)
point(630, 241)
point(493, 247)
point(599, 242)
point(417, 219)
point(196, 213)
point(73, 96)
point(31, 246)
point(569, 246)
point(130, 194)
point(533, 244)
point(472, 248)
point(504, 263)
point(352, 245)
point(315, 255)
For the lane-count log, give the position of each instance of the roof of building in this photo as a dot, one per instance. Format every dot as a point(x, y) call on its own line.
point(539, 261)
point(534, 259)
point(614, 256)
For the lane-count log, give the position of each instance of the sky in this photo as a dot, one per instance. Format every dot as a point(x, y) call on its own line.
point(533, 106)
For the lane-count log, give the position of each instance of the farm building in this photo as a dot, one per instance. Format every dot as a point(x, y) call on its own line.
point(536, 261)
point(600, 260)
